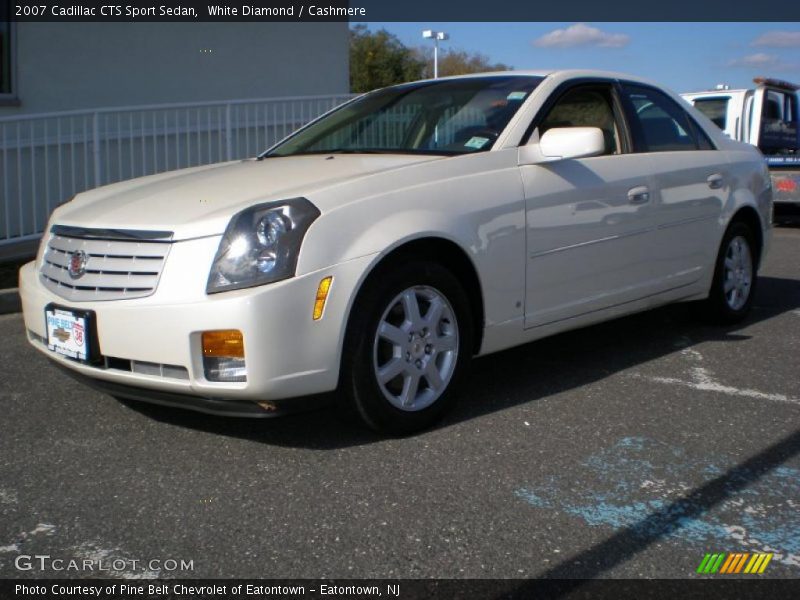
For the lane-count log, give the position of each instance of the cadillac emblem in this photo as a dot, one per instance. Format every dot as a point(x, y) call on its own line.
point(77, 264)
point(61, 334)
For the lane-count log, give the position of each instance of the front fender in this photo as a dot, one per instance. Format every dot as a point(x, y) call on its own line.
point(493, 238)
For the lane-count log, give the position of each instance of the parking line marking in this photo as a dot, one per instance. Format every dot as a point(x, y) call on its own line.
point(45, 528)
point(705, 383)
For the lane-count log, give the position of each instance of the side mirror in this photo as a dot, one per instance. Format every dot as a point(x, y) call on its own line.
point(560, 143)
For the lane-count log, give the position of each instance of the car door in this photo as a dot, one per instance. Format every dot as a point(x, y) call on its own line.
point(587, 218)
point(691, 183)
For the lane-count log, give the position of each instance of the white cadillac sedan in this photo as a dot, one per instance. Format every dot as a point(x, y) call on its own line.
point(378, 249)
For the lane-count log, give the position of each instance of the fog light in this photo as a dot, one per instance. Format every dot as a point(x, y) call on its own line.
point(224, 369)
point(223, 355)
point(322, 297)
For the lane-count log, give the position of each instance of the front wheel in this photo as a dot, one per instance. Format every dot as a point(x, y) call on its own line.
point(409, 341)
point(735, 276)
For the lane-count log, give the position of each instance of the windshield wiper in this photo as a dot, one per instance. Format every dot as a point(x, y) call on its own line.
point(356, 151)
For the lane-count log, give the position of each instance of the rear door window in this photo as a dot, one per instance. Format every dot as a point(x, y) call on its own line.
point(659, 124)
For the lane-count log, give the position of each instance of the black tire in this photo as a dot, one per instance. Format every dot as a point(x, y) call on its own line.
point(718, 307)
point(364, 350)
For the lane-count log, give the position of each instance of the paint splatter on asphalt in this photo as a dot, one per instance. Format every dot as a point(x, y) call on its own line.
point(644, 486)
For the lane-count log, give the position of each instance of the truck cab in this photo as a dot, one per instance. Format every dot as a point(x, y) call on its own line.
point(766, 116)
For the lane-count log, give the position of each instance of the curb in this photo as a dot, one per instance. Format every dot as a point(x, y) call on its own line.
point(9, 301)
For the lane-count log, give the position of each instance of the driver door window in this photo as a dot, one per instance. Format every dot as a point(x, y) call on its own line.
point(586, 107)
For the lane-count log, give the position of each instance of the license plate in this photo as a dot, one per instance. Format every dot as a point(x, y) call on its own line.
point(68, 333)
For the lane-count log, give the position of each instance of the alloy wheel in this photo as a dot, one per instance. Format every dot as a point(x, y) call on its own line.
point(738, 273)
point(416, 348)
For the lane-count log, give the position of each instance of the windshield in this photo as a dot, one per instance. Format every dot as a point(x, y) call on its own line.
point(455, 116)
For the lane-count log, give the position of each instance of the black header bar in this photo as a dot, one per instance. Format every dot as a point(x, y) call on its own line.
point(432, 11)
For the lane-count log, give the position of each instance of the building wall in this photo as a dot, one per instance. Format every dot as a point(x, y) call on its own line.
point(67, 66)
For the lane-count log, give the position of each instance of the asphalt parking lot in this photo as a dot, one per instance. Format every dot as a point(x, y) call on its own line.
point(629, 449)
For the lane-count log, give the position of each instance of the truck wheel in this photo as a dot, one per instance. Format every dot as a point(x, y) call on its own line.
point(409, 343)
point(735, 276)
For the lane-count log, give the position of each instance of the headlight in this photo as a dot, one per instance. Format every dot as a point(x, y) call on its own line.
point(261, 245)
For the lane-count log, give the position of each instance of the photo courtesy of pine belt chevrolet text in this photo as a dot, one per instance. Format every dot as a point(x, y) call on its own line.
point(377, 250)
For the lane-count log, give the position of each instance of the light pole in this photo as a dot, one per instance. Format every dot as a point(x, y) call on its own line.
point(436, 36)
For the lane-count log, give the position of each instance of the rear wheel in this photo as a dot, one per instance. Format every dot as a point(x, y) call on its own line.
point(735, 276)
point(409, 341)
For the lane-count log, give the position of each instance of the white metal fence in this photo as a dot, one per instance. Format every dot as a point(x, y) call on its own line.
point(47, 158)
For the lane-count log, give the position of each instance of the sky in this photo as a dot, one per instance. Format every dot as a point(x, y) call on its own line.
point(682, 56)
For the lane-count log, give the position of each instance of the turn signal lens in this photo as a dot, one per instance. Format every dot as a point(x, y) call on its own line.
point(227, 343)
point(322, 297)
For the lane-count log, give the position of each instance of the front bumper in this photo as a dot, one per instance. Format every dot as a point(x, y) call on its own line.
point(208, 405)
point(287, 353)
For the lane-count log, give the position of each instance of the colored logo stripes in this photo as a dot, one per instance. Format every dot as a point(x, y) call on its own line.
point(735, 562)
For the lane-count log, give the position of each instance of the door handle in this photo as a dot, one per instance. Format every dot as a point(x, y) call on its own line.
point(714, 181)
point(639, 195)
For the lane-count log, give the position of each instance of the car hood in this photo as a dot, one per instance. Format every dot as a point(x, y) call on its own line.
point(200, 201)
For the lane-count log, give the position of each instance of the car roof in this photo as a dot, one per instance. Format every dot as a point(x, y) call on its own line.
point(561, 74)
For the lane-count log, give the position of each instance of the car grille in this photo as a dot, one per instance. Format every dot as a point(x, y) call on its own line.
point(120, 264)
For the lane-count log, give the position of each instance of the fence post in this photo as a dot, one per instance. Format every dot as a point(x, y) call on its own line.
point(228, 140)
point(96, 148)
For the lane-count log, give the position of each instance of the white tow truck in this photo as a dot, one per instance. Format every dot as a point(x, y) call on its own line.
point(766, 116)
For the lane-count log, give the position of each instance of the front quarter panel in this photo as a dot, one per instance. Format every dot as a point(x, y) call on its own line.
point(474, 201)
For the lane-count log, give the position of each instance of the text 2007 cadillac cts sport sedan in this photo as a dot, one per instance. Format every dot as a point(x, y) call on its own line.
point(381, 247)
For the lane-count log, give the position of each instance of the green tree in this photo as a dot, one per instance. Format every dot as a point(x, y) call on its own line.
point(378, 59)
point(456, 62)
